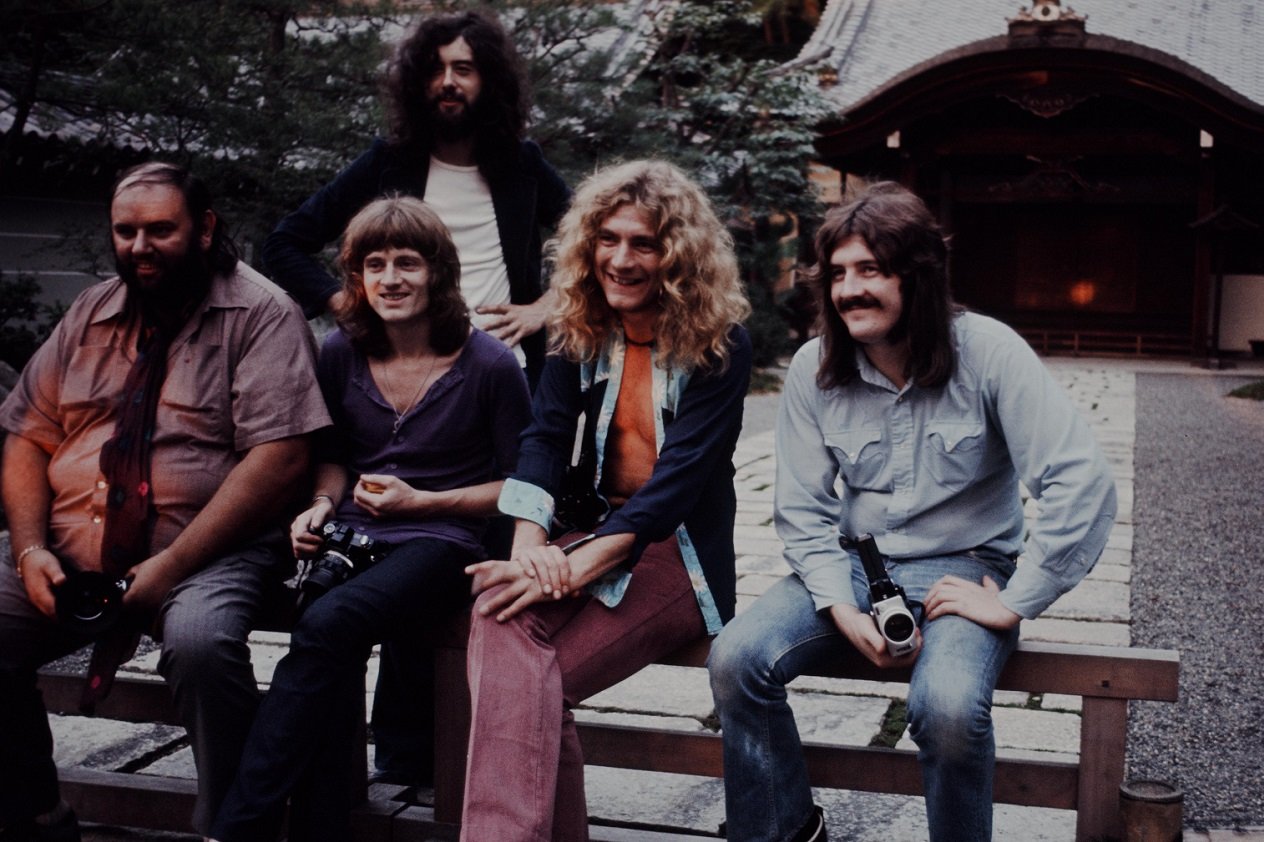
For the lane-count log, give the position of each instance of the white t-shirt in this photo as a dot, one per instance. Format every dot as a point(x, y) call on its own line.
point(463, 200)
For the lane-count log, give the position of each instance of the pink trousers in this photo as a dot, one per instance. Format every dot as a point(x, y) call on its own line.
point(525, 781)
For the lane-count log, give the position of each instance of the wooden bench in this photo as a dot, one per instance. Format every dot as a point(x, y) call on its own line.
point(1105, 677)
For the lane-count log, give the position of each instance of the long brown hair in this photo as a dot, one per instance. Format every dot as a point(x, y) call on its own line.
point(898, 228)
point(401, 222)
point(702, 291)
point(503, 105)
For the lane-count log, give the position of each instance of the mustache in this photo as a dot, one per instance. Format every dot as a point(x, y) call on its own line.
point(856, 302)
point(450, 94)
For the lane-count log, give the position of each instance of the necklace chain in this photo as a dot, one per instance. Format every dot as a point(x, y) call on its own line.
point(390, 398)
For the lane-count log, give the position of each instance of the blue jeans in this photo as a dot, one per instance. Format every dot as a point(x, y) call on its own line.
point(781, 636)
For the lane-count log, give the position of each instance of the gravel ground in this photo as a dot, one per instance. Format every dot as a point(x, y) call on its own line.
point(1197, 586)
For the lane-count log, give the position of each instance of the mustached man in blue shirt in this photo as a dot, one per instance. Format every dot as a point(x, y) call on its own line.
point(916, 422)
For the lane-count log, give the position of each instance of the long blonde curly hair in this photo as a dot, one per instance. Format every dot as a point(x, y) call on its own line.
point(702, 291)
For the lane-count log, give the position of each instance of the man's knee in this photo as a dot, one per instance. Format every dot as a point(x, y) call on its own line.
point(739, 662)
point(197, 648)
point(948, 718)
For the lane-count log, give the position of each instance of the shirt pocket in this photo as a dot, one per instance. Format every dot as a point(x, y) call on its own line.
point(860, 454)
point(954, 452)
point(196, 399)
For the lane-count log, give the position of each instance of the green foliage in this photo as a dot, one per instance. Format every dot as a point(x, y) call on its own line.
point(893, 725)
point(1251, 391)
point(702, 92)
point(704, 98)
point(24, 322)
point(265, 99)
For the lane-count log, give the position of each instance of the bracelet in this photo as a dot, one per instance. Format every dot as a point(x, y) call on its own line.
point(323, 497)
point(17, 563)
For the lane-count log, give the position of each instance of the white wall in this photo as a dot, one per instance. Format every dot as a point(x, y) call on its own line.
point(1241, 311)
point(59, 242)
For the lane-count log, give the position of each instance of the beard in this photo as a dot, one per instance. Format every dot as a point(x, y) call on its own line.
point(452, 127)
point(181, 282)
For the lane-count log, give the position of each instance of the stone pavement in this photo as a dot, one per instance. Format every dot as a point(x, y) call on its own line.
point(828, 710)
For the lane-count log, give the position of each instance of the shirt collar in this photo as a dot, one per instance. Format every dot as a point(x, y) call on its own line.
point(224, 294)
point(870, 374)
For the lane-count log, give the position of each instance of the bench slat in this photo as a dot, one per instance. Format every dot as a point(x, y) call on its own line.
point(132, 699)
point(1031, 783)
point(1074, 669)
point(129, 800)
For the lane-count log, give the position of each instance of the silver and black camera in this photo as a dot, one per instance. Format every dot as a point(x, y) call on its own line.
point(344, 554)
point(89, 602)
point(888, 605)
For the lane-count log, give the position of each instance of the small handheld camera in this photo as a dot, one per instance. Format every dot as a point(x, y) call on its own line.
point(89, 602)
point(345, 553)
point(888, 605)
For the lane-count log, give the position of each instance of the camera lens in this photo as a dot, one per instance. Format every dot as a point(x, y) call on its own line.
point(898, 627)
point(89, 601)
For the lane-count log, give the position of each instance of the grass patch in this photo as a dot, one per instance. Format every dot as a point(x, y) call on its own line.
point(1251, 391)
point(893, 725)
point(763, 383)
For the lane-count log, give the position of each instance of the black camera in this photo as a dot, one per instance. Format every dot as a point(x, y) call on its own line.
point(345, 553)
point(580, 509)
point(888, 605)
point(90, 602)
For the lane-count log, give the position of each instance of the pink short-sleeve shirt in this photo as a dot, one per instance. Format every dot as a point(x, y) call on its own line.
point(240, 373)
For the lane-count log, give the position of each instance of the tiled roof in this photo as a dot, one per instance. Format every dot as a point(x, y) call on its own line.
point(870, 42)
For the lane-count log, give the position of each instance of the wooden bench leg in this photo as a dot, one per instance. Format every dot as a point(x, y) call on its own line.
point(452, 731)
point(1103, 733)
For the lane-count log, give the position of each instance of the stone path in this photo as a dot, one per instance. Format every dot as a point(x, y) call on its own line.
point(827, 710)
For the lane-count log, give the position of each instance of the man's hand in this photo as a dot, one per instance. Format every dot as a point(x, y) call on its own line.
point(549, 565)
point(42, 574)
point(519, 592)
point(533, 567)
point(980, 603)
point(305, 530)
point(515, 322)
point(859, 628)
point(152, 580)
point(383, 494)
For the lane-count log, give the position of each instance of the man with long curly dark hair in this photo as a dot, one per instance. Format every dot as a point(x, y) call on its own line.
point(457, 96)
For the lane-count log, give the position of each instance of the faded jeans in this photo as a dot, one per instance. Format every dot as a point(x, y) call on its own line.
point(781, 636)
point(526, 771)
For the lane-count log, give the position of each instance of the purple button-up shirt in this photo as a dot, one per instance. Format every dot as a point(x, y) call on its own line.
point(463, 432)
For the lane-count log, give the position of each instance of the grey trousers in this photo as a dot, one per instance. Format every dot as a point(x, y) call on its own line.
point(202, 626)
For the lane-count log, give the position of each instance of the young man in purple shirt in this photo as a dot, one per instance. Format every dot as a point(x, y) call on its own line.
point(427, 412)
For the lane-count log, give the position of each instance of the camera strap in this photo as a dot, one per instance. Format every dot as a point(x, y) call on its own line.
point(129, 507)
point(580, 505)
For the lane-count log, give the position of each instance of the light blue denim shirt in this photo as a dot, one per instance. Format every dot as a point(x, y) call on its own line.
point(936, 471)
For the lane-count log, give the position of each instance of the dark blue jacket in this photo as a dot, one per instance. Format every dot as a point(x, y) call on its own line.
point(692, 481)
point(525, 198)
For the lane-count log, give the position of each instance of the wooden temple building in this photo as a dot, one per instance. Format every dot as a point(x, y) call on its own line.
point(1100, 169)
